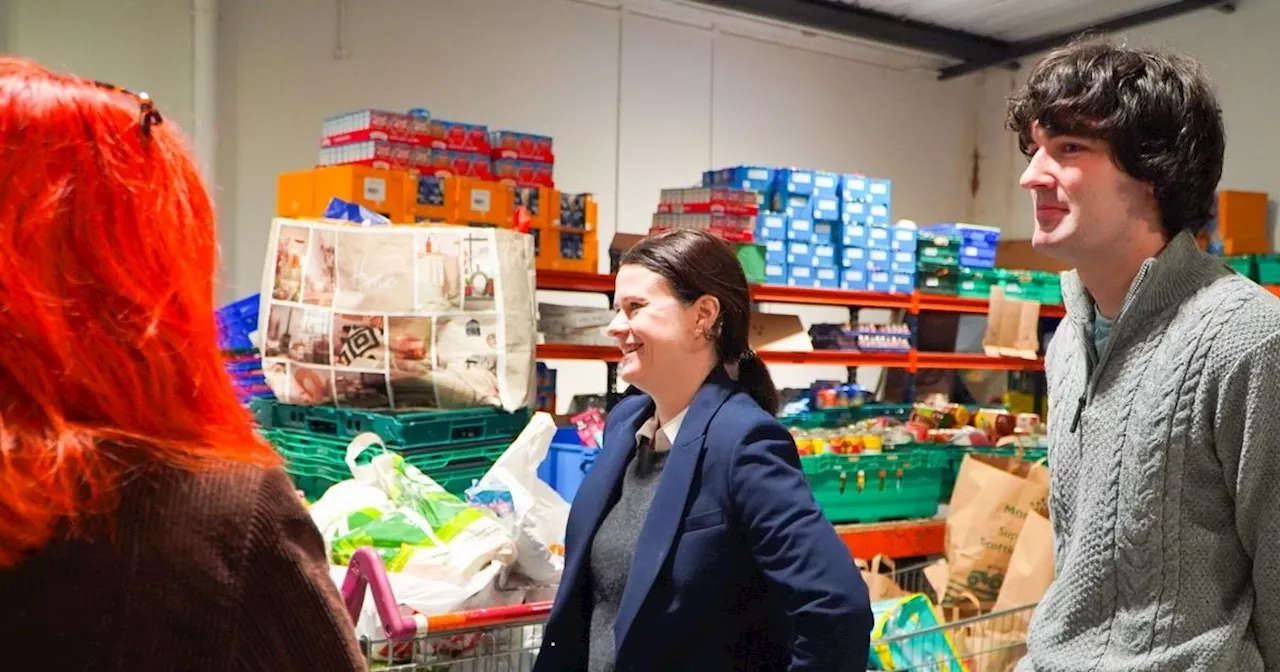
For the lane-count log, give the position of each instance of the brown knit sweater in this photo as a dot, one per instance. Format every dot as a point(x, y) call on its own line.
point(216, 571)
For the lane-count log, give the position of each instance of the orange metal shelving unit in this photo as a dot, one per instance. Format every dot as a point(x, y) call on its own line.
point(902, 539)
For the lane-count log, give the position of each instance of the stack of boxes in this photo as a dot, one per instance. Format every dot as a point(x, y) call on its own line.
point(960, 260)
point(726, 212)
point(957, 259)
point(411, 168)
point(825, 230)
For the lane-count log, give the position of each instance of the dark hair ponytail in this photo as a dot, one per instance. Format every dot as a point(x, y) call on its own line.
point(697, 264)
point(754, 376)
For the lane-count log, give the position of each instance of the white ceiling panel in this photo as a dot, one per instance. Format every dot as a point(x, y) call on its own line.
point(1011, 20)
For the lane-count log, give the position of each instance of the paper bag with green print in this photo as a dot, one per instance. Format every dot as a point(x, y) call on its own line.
point(990, 504)
point(412, 523)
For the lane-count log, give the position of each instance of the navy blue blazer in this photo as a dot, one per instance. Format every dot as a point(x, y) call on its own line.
point(736, 567)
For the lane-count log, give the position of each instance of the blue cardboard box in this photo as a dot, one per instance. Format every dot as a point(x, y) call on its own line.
point(795, 181)
point(800, 254)
point(824, 256)
point(853, 278)
point(826, 233)
point(826, 184)
point(826, 208)
point(775, 251)
point(771, 226)
point(854, 257)
point(775, 274)
point(853, 235)
point(800, 229)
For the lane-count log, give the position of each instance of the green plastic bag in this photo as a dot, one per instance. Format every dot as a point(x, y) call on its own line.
point(412, 523)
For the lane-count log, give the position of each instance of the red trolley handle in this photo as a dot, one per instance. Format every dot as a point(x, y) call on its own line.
point(366, 569)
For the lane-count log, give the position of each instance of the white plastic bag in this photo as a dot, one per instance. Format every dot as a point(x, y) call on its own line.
point(413, 524)
point(539, 513)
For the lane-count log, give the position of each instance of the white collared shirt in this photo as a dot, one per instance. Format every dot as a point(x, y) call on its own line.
point(669, 431)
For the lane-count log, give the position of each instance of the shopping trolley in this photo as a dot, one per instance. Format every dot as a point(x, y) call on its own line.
point(990, 641)
point(496, 639)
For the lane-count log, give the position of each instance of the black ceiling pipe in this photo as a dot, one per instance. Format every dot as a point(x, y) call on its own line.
point(856, 22)
point(1041, 44)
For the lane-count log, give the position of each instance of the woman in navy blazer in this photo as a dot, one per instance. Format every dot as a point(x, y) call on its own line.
point(695, 542)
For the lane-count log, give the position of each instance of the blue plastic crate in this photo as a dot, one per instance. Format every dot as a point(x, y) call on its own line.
point(973, 235)
point(236, 321)
point(567, 463)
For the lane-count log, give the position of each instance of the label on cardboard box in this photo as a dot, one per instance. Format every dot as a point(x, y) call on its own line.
point(879, 187)
point(877, 233)
point(375, 189)
point(801, 272)
point(855, 255)
point(481, 200)
point(826, 182)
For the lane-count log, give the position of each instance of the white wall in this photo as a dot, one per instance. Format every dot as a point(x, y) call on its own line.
point(636, 99)
point(142, 45)
point(1234, 49)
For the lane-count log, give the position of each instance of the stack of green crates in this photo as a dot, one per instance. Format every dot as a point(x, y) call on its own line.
point(938, 264)
point(976, 283)
point(452, 447)
point(873, 487)
point(1032, 286)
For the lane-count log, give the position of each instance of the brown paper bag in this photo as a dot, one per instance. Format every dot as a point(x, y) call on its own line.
point(988, 646)
point(1030, 567)
point(880, 586)
point(988, 508)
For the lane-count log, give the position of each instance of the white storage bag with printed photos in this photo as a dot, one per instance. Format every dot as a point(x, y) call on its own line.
point(398, 317)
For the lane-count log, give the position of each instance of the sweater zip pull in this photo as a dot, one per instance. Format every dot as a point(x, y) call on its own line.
point(1075, 423)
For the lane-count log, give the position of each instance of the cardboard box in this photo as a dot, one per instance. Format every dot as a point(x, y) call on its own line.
point(521, 173)
point(522, 146)
point(305, 194)
point(1012, 327)
point(455, 136)
point(483, 202)
point(369, 124)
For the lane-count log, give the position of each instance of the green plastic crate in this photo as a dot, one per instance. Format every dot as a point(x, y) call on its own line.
point(752, 259)
point(1268, 269)
point(976, 283)
point(934, 279)
point(405, 429)
point(1245, 264)
point(317, 462)
point(830, 418)
point(885, 494)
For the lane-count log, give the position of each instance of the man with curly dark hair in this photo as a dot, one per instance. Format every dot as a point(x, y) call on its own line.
point(1164, 380)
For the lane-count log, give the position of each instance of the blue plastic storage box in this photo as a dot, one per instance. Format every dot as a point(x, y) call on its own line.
point(567, 463)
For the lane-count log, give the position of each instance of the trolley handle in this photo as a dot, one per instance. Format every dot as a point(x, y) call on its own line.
point(365, 569)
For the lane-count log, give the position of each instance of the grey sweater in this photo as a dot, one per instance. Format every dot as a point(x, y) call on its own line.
point(1165, 498)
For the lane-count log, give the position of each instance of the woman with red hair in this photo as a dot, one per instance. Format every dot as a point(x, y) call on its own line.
point(143, 525)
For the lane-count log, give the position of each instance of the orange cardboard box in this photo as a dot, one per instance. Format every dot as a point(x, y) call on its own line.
point(483, 202)
point(306, 193)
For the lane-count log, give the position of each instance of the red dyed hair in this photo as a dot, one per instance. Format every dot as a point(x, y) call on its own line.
point(108, 350)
